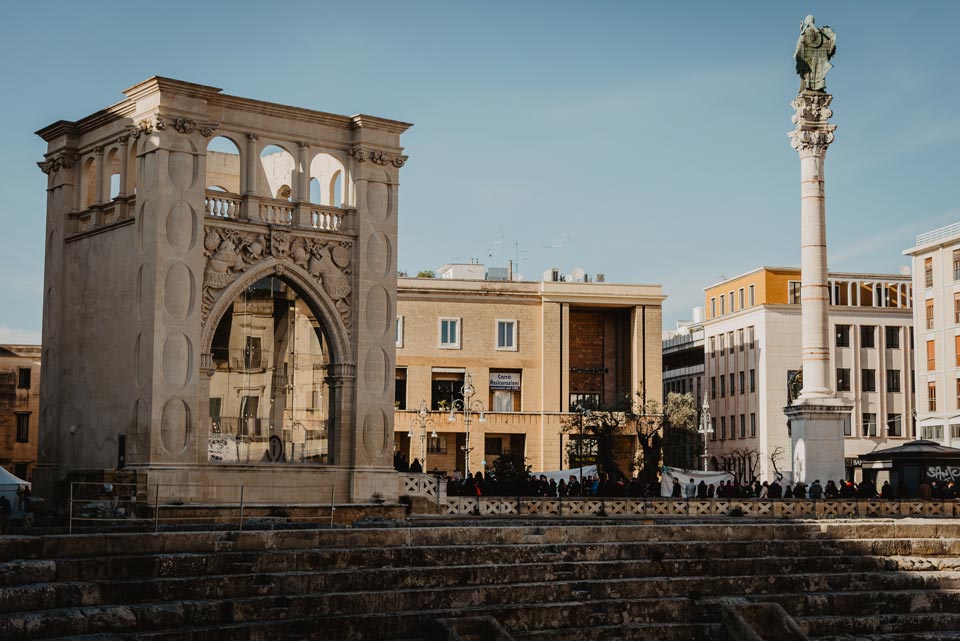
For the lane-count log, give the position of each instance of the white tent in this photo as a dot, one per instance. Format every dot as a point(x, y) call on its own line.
point(588, 470)
point(669, 473)
point(8, 486)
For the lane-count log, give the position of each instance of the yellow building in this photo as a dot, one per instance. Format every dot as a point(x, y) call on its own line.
point(533, 351)
point(19, 408)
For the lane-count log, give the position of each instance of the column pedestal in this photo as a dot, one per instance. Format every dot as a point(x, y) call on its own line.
point(816, 433)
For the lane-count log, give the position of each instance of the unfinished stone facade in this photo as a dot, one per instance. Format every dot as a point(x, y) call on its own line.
point(220, 295)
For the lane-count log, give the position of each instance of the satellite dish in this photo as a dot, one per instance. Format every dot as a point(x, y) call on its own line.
point(568, 278)
point(578, 274)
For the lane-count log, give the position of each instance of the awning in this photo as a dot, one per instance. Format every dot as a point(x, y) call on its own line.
point(930, 422)
point(954, 420)
point(449, 370)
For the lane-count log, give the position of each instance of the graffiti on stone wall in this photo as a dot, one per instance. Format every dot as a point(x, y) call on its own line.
point(229, 251)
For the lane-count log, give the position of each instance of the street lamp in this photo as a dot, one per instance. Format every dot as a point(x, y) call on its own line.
point(582, 411)
point(467, 405)
point(706, 427)
point(422, 420)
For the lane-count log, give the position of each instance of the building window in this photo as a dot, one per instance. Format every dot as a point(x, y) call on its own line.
point(713, 307)
point(446, 386)
point(932, 396)
point(893, 380)
point(894, 425)
point(730, 341)
point(23, 378)
point(584, 400)
point(722, 386)
point(493, 446)
point(743, 426)
point(868, 336)
point(928, 272)
point(723, 305)
point(450, 333)
point(713, 425)
point(893, 337)
point(750, 337)
point(868, 382)
point(733, 384)
point(741, 297)
point(843, 335)
point(713, 346)
point(931, 356)
point(23, 427)
point(958, 393)
point(932, 432)
point(740, 341)
point(720, 344)
point(956, 308)
point(507, 335)
point(753, 424)
point(253, 353)
point(743, 388)
point(753, 295)
point(847, 426)
point(956, 349)
point(793, 292)
point(730, 298)
point(505, 390)
point(956, 264)
point(399, 331)
point(753, 380)
point(869, 427)
point(400, 391)
point(723, 427)
point(437, 444)
point(843, 379)
point(713, 387)
point(954, 433)
point(929, 313)
point(733, 427)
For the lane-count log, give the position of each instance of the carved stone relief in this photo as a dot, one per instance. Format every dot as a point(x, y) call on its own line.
point(229, 251)
point(378, 157)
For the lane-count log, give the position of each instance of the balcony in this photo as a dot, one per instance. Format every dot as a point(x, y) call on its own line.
point(272, 211)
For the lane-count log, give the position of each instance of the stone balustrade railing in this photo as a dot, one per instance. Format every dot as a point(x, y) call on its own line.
point(276, 212)
point(419, 485)
point(645, 508)
point(327, 218)
point(117, 211)
point(221, 205)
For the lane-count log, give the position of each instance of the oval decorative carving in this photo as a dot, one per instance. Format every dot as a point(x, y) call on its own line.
point(140, 360)
point(177, 360)
point(49, 312)
point(379, 254)
point(378, 201)
point(146, 212)
point(374, 432)
point(376, 370)
point(50, 366)
point(181, 226)
point(178, 291)
point(182, 164)
point(174, 426)
point(139, 425)
point(378, 311)
point(141, 301)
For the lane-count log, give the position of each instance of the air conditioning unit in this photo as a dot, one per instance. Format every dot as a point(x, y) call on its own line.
point(601, 278)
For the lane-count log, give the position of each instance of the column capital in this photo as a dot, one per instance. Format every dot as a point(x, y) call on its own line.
point(813, 132)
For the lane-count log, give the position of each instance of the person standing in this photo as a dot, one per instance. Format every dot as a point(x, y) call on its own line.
point(691, 490)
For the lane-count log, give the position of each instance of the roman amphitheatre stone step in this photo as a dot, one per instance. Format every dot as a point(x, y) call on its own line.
point(829, 627)
point(867, 602)
point(628, 632)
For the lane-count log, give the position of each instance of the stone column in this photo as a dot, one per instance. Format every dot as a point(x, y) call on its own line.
point(302, 211)
point(816, 419)
point(251, 209)
point(124, 177)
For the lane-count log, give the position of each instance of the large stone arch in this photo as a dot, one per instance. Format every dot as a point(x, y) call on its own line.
point(308, 287)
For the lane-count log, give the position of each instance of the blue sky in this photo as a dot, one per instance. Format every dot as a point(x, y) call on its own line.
point(645, 141)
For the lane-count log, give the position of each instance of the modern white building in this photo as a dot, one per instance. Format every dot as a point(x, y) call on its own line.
point(753, 355)
point(936, 279)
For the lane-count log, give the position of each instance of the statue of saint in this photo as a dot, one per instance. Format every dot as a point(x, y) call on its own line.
point(815, 48)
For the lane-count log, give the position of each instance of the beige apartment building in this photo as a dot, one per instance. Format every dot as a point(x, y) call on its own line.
point(936, 279)
point(752, 358)
point(534, 351)
point(19, 408)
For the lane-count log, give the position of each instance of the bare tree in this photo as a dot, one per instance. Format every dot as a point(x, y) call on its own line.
point(776, 456)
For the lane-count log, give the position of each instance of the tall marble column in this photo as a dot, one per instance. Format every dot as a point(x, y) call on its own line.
point(817, 417)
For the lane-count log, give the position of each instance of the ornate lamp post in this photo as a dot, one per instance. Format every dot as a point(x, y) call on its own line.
point(468, 405)
point(583, 412)
point(706, 427)
point(423, 421)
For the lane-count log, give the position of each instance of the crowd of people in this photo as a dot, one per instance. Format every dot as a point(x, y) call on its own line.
point(480, 484)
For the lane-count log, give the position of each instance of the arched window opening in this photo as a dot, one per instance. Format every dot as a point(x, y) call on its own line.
point(112, 173)
point(277, 168)
point(223, 165)
point(269, 400)
point(329, 172)
point(89, 184)
point(315, 195)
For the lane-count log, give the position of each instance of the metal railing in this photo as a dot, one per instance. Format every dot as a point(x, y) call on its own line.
point(937, 234)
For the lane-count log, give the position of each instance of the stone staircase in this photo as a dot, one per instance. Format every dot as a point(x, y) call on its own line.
point(560, 580)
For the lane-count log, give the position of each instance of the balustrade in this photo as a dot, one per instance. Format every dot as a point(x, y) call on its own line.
point(221, 206)
point(276, 212)
point(327, 219)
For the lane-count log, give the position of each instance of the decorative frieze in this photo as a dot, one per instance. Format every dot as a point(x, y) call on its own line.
point(230, 251)
point(378, 157)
